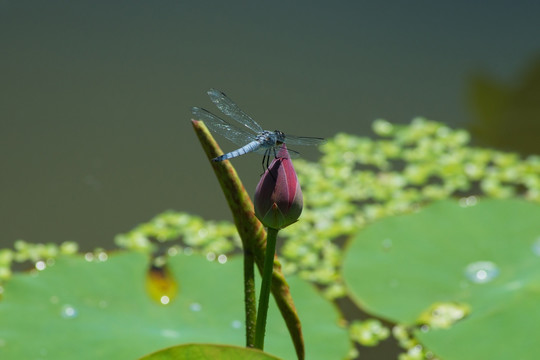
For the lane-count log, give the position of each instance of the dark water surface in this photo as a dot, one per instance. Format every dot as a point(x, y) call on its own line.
point(95, 96)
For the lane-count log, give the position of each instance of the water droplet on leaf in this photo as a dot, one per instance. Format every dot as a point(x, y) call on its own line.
point(40, 265)
point(236, 324)
point(172, 251)
point(481, 272)
point(102, 256)
point(468, 201)
point(68, 312)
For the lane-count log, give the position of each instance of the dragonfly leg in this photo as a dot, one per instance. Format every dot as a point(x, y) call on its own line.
point(275, 152)
point(264, 161)
point(268, 158)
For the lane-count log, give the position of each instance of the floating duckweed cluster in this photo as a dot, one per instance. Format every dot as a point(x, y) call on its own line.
point(443, 315)
point(368, 332)
point(414, 351)
point(194, 233)
point(39, 254)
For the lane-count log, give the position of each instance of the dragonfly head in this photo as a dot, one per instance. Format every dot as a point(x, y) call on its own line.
point(280, 136)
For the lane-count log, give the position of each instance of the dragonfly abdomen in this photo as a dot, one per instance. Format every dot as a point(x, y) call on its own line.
point(252, 146)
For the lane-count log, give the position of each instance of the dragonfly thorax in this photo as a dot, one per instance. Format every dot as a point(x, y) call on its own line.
point(270, 138)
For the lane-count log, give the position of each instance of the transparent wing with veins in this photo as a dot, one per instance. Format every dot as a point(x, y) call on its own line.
point(303, 140)
point(229, 108)
point(222, 127)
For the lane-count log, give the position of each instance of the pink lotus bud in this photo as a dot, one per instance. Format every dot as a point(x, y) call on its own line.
point(278, 197)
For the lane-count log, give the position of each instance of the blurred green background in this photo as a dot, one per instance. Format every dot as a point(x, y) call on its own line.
point(95, 96)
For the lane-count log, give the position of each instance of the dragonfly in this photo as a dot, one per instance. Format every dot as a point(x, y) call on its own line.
point(250, 135)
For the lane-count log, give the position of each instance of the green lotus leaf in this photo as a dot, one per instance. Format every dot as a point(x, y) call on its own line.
point(209, 352)
point(103, 310)
point(469, 270)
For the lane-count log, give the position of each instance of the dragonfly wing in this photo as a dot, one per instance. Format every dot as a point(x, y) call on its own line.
point(229, 108)
point(221, 127)
point(303, 140)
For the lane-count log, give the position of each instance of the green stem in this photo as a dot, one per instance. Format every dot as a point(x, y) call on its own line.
point(264, 296)
point(250, 303)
